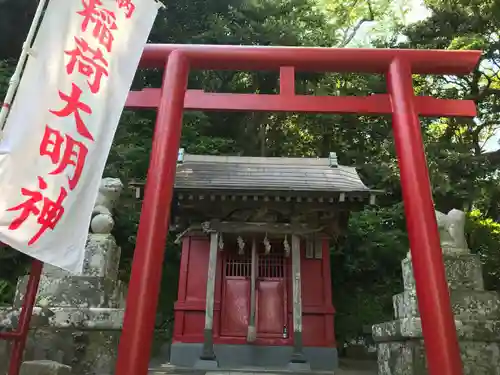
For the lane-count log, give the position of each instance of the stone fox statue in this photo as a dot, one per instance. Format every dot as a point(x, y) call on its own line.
point(102, 214)
point(451, 229)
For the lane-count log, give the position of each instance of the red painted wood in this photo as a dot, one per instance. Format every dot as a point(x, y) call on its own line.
point(145, 279)
point(438, 325)
point(313, 331)
point(240, 340)
point(327, 287)
point(191, 303)
point(378, 104)
point(287, 81)
point(9, 335)
point(372, 60)
point(312, 286)
point(184, 268)
point(21, 334)
point(179, 311)
point(194, 323)
point(235, 307)
point(314, 307)
point(196, 288)
point(196, 305)
point(270, 308)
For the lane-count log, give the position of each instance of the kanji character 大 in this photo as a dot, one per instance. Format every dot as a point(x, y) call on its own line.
point(73, 107)
point(64, 152)
point(128, 5)
point(103, 19)
point(91, 63)
point(48, 215)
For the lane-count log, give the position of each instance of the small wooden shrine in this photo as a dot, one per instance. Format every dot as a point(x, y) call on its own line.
point(255, 282)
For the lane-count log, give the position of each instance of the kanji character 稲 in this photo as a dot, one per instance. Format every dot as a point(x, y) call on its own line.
point(103, 19)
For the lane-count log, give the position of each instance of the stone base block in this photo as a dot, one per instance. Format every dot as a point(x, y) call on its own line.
point(408, 358)
point(76, 292)
point(299, 367)
point(401, 351)
point(411, 328)
point(466, 305)
point(462, 272)
point(44, 368)
point(72, 318)
point(253, 356)
point(85, 339)
point(206, 364)
point(88, 352)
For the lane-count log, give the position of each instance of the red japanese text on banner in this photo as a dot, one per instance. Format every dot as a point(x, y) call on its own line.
point(62, 123)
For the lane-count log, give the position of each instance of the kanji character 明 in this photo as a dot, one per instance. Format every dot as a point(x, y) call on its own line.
point(64, 152)
point(73, 107)
point(48, 215)
point(128, 5)
point(103, 19)
point(91, 63)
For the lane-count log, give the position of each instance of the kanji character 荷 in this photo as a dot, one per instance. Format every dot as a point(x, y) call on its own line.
point(103, 19)
point(128, 5)
point(73, 107)
point(48, 215)
point(64, 152)
point(91, 63)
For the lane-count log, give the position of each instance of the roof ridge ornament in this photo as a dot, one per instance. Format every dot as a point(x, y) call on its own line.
point(332, 160)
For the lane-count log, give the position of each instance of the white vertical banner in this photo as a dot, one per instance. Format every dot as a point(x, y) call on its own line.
point(62, 123)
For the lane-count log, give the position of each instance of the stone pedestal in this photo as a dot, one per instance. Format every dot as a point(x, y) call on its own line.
point(77, 319)
point(400, 342)
point(44, 368)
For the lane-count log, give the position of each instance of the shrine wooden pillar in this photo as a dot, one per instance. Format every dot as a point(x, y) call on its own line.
point(298, 355)
point(208, 358)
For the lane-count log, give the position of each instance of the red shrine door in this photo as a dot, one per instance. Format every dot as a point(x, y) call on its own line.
point(271, 295)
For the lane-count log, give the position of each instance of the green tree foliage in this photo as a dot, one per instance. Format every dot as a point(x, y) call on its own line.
point(366, 261)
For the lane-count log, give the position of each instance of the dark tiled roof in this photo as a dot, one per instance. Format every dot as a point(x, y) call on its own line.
point(203, 172)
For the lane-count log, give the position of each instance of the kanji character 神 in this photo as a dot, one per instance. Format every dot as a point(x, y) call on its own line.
point(48, 215)
point(91, 63)
point(103, 19)
point(128, 5)
point(73, 107)
point(64, 152)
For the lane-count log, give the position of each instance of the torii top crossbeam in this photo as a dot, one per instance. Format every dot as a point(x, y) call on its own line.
point(361, 60)
point(443, 355)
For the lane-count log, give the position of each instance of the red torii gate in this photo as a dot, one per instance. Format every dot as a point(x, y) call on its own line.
point(438, 326)
point(173, 98)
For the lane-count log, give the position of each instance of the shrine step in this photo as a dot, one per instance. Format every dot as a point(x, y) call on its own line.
point(241, 372)
point(347, 367)
point(169, 369)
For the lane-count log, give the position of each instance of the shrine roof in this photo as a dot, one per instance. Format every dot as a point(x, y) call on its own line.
point(233, 173)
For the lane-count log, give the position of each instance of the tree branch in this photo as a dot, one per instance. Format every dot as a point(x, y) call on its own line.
point(349, 38)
